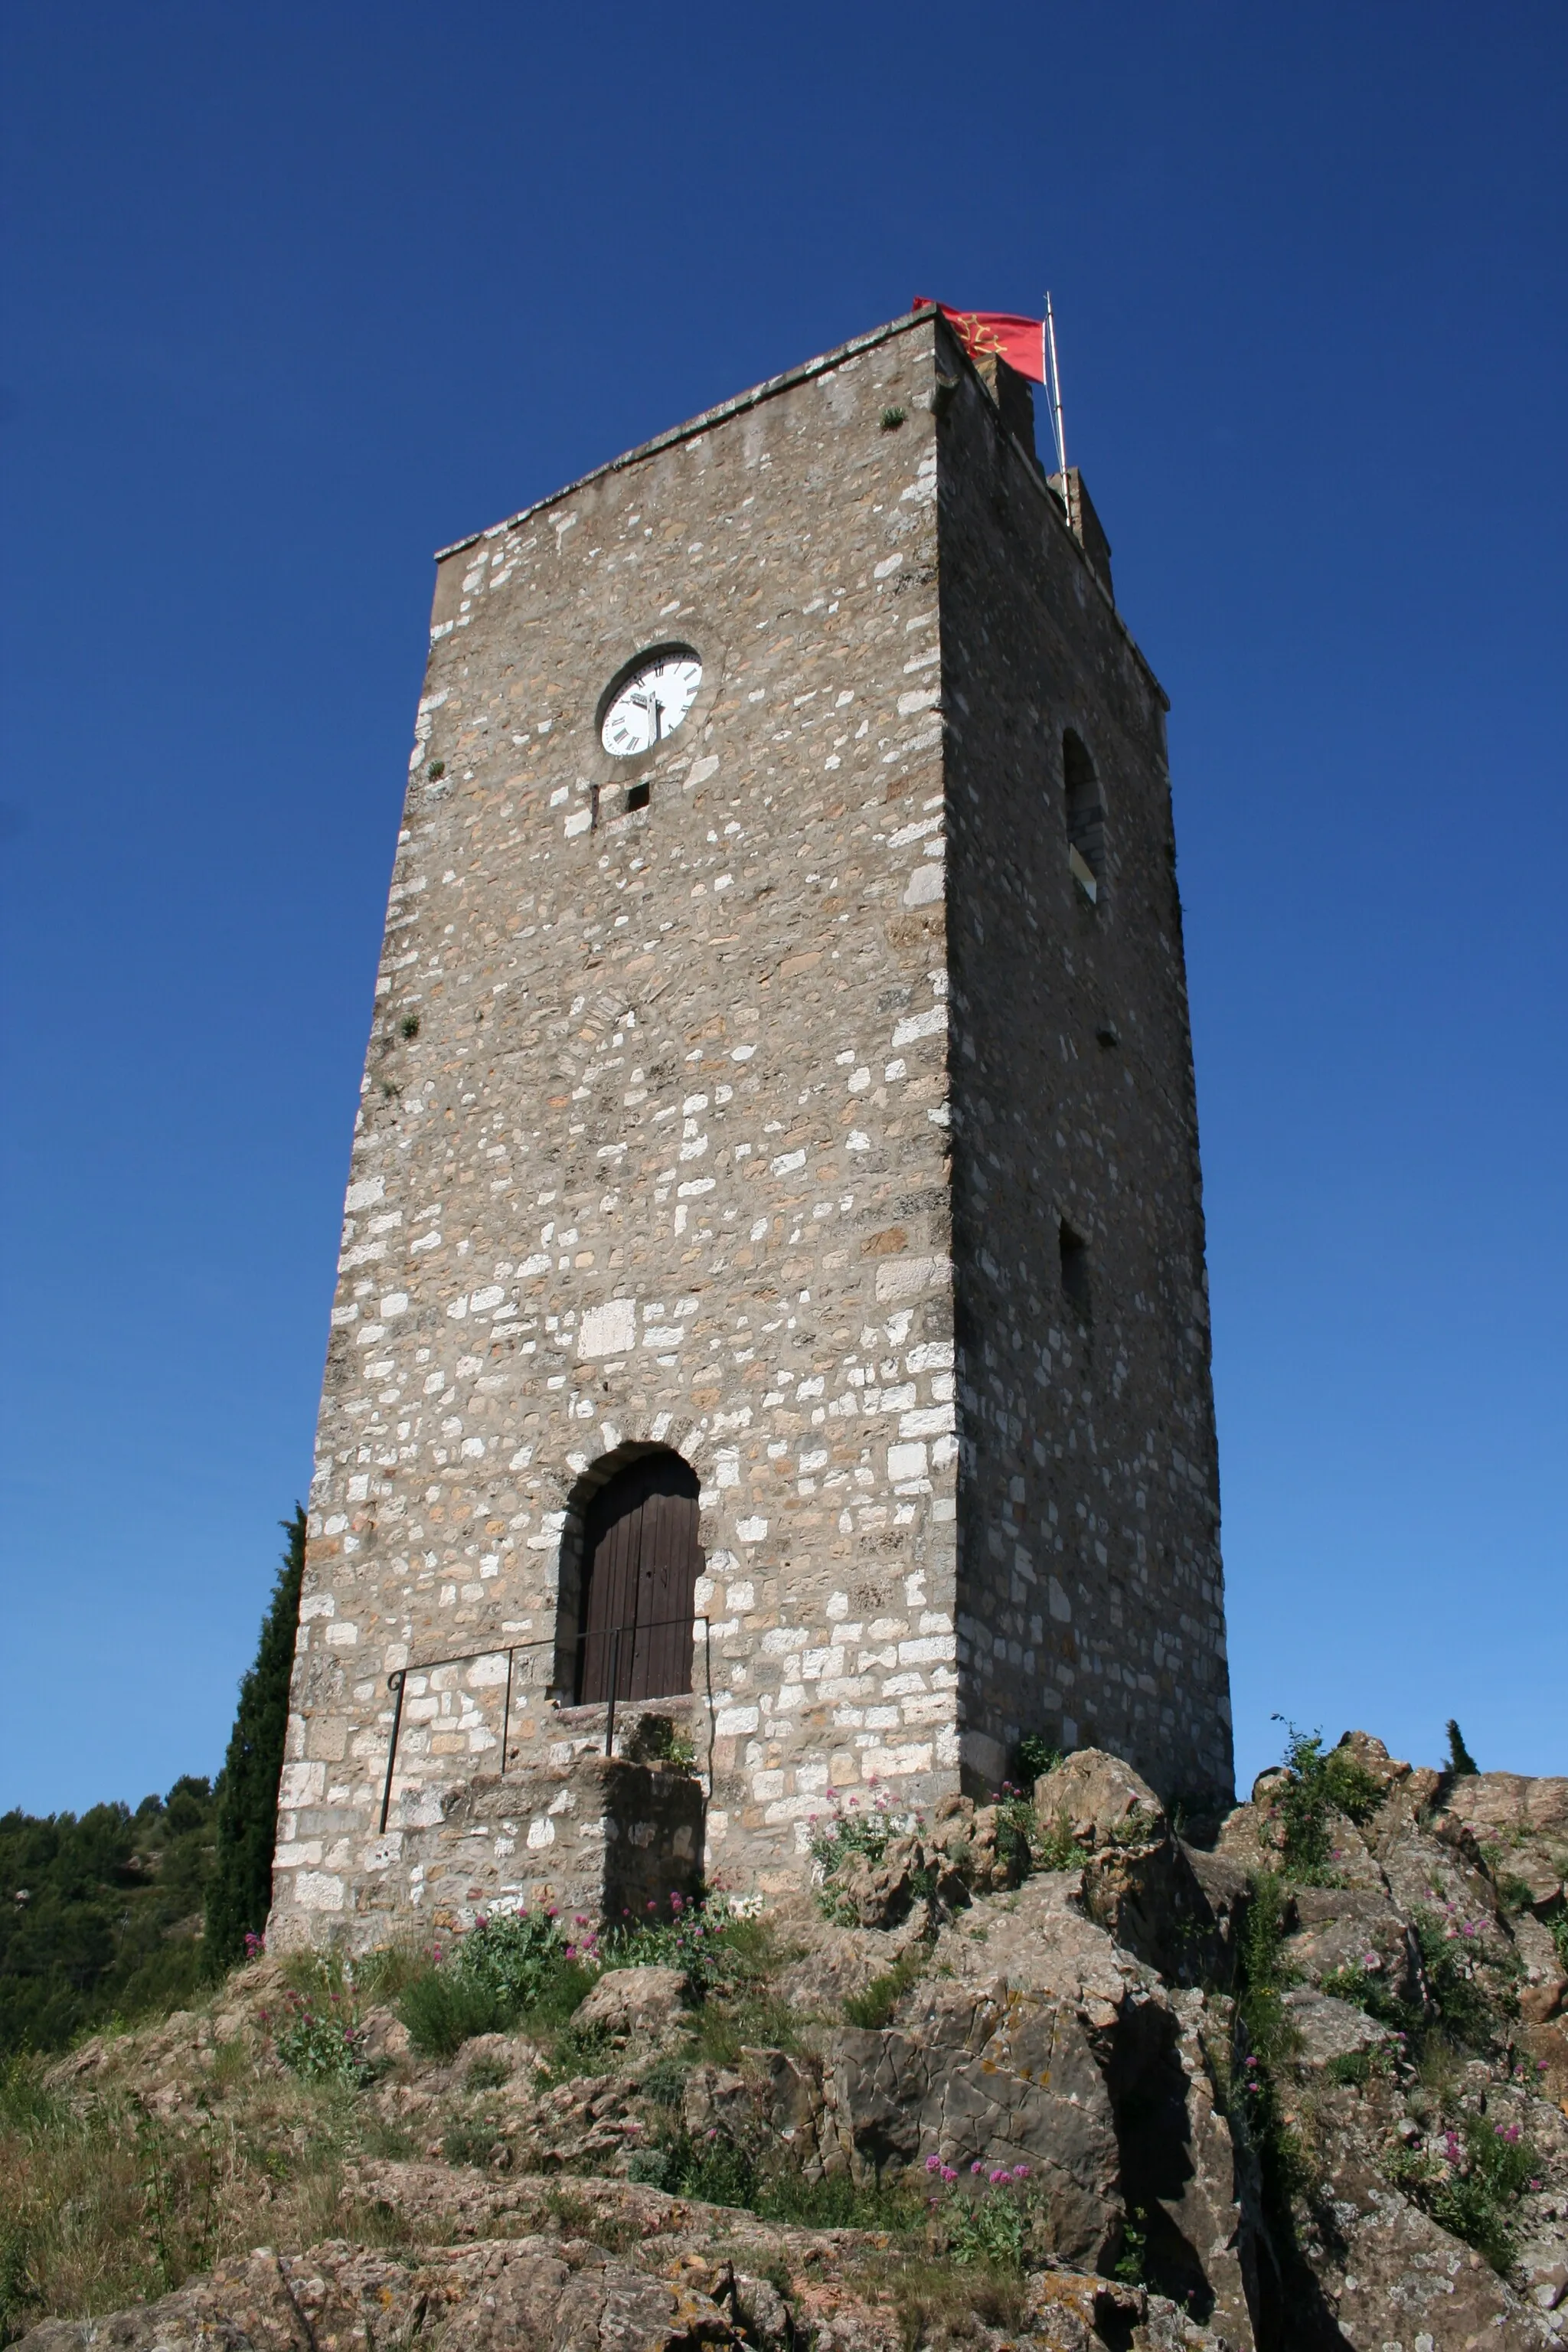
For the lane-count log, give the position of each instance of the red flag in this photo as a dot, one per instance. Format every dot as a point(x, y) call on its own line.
point(996, 333)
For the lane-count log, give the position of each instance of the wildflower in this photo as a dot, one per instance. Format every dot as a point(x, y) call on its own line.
point(1508, 2132)
point(978, 2165)
point(1020, 2172)
point(1000, 2175)
point(934, 2163)
point(949, 2172)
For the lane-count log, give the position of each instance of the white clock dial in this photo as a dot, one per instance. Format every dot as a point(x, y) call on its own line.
point(651, 704)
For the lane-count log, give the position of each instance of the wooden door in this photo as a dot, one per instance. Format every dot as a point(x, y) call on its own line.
point(641, 1561)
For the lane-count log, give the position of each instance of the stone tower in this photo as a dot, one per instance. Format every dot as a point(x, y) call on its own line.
point(777, 1150)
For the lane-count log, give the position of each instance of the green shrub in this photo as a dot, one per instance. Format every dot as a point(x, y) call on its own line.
point(1461, 1763)
point(719, 1950)
point(470, 2141)
point(1130, 2264)
point(1032, 1759)
point(1474, 2189)
point(1468, 2012)
point(665, 2081)
point(872, 2007)
point(711, 2165)
point(1319, 1786)
point(521, 1967)
point(1269, 2039)
point(442, 2008)
point(749, 2170)
point(851, 1829)
point(319, 2041)
point(529, 1963)
point(1054, 1847)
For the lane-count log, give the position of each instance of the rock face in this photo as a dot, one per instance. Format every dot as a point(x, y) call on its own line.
point(634, 2001)
point(1235, 2098)
point(527, 2292)
point(1139, 1882)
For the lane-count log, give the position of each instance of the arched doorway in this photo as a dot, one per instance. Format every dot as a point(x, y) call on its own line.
point(641, 1561)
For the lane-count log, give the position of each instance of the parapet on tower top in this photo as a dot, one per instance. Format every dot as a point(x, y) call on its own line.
point(771, 1309)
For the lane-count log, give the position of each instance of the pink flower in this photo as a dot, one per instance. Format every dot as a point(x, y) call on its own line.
point(1000, 2175)
point(949, 2172)
point(1020, 2172)
point(978, 2165)
point(934, 2163)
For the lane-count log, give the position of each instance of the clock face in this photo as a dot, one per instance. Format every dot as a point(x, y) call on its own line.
point(651, 703)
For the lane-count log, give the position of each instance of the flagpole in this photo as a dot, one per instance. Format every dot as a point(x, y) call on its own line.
point(1057, 394)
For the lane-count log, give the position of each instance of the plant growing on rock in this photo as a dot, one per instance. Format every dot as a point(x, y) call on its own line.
point(522, 1967)
point(1266, 2039)
point(1473, 2184)
point(982, 2216)
point(1033, 1757)
point(720, 1950)
point(1318, 1786)
point(319, 2039)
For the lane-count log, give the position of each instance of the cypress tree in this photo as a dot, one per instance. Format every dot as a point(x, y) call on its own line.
point(1461, 1763)
point(239, 1893)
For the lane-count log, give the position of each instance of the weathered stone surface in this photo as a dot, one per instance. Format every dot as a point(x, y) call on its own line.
point(533, 2293)
point(1139, 1882)
point(1544, 1990)
point(1353, 1928)
point(1390, 2275)
point(1328, 2028)
point(701, 1117)
point(1516, 1826)
point(634, 2001)
point(1101, 1801)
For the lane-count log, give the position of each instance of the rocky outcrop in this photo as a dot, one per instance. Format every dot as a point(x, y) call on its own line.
point(1138, 1881)
point(1237, 2100)
point(497, 2297)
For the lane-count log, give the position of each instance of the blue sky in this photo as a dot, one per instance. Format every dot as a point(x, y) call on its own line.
point(294, 296)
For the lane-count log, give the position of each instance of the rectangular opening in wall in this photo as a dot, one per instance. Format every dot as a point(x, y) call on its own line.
point(1074, 1271)
point(637, 796)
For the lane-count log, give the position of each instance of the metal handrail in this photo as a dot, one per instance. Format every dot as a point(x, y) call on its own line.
point(398, 1678)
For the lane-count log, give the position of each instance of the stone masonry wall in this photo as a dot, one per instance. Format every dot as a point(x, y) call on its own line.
point(652, 1144)
point(659, 1144)
point(578, 1832)
point(1090, 1593)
